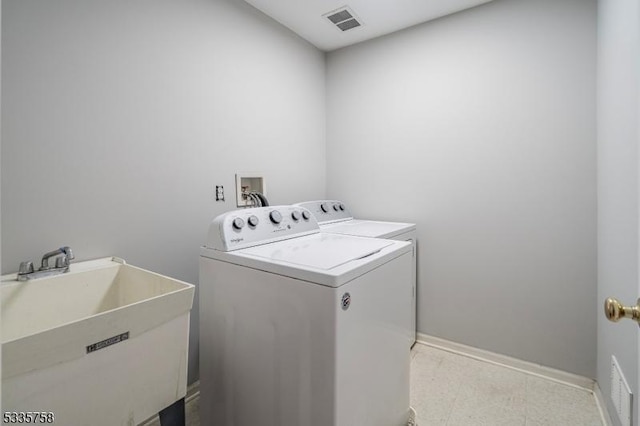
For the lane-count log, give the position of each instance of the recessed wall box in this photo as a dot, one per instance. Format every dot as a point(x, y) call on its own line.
point(247, 183)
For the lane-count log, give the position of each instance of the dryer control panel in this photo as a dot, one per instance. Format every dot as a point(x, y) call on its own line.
point(261, 225)
point(327, 211)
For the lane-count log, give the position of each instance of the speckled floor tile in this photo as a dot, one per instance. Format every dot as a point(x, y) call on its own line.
point(478, 393)
point(436, 378)
point(550, 403)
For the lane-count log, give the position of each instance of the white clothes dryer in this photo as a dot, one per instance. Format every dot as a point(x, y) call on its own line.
point(334, 217)
point(299, 327)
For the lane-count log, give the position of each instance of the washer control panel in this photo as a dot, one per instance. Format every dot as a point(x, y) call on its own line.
point(327, 211)
point(255, 226)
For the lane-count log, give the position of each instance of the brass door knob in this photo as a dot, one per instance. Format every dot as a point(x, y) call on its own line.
point(614, 310)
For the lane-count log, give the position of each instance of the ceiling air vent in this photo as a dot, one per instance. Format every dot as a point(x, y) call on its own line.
point(343, 18)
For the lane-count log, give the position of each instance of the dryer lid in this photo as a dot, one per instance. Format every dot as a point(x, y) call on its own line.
point(318, 251)
point(368, 228)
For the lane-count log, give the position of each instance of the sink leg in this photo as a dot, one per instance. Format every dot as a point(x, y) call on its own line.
point(173, 415)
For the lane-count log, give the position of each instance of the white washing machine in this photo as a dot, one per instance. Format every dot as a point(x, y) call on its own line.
point(299, 327)
point(334, 217)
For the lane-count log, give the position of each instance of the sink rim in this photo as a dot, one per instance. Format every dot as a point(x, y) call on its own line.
point(81, 267)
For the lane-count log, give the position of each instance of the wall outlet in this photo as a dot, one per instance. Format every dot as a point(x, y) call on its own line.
point(219, 193)
point(620, 393)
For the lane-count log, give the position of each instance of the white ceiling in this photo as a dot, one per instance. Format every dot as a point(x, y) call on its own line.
point(378, 17)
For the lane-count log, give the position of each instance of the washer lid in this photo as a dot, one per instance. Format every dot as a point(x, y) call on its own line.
point(368, 228)
point(326, 259)
point(318, 251)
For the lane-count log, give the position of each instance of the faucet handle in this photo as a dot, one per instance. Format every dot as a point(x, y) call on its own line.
point(25, 268)
point(61, 262)
point(68, 253)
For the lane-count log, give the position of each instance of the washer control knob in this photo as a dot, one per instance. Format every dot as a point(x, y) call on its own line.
point(336, 207)
point(238, 223)
point(275, 216)
point(341, 206)
point(306, 215)
point(295, 215)
point(325, 207)
point(253, 221)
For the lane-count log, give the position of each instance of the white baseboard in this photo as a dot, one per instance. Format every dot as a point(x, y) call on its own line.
point(509, 362)
point(602, 406)
point(193, 391)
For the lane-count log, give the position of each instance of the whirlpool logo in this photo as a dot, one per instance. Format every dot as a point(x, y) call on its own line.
point(237, 240)
point(346, 301)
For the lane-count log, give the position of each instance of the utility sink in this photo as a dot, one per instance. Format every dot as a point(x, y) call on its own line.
point(103, 344)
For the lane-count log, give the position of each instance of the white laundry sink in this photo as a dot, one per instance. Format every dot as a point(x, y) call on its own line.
point(103, 344)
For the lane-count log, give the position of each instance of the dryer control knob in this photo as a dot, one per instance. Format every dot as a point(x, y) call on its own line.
point(341, 206)
point(238, 223)
point(253, 220)
point(275, 216)
point(325, 207)
point(295, 215)
point(336, 207)
point(306, 215)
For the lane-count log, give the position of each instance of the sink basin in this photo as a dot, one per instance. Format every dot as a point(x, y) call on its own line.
point(105, 343)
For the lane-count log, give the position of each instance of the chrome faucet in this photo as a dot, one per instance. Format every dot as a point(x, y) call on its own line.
point(64, 260)
point(63, 256)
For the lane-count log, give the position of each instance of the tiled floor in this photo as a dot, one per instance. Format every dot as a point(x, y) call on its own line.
point(453, 390)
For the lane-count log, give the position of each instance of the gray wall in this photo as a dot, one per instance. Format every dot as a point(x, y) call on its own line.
point(120, 117)
point(480, 127)
point(618, 138)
